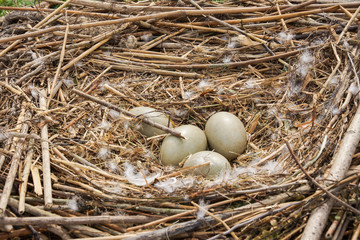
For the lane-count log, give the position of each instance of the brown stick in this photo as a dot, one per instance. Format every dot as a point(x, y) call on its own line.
point(348, 25)
point(29, 9)
point(25, 176)
point(57, 74)
point(84, 54)
point(297, 6)
point(127, 113)
point(133, 68)
point(45, 155)
point(18, 221)
point(132, 8)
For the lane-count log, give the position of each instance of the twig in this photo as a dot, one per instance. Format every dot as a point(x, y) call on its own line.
point(162, 220)
point(330, 232)
point(32, 73)
point(16, 221)
point(161, 39)
point(272, 18)
point(29, 9)
point(133, 68)
point(356, 233)
point(31, 228)
point(96, 80)
point(45, 155)
point(311, 162)
point(348, 25)
point(113, 90)
point(57, 74)
point(10, 88)
point(297, 6)
point(176, 229)
point(127, 113)
point(72, 122)
point(84, 54)
point(4, 152)
point(25, 176)
point(228, 25)
point(24, 135)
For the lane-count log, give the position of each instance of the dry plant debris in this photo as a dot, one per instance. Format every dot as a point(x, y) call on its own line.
point(73, 164)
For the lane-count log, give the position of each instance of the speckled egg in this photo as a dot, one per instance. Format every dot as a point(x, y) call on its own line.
point(173, 149)
point(226, 134)
point(153, 115)
point(218, 163)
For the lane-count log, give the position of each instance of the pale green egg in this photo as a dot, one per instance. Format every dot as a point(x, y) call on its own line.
point(153, 115)
point(218, 164)
point(226, 134)
point(173, 149)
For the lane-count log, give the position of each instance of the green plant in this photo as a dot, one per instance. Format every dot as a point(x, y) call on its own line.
point(14, 3)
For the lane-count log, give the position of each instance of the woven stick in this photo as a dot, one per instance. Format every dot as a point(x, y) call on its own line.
point(25, 177)
point(75, 220)
point(13, 169)
point(113, 90)
point(62, 55)
point(4, 152)
point(45, 155)
point(273, 18)
point(39, 212)
point(29, 9)
point(84, 54)
point(340, 164)
point(36, 26)
point(131, 8)
point(348, 25)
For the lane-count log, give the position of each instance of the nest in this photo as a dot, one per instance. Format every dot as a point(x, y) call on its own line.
point(73, 164)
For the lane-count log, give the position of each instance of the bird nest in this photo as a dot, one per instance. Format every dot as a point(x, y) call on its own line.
point(74, 165)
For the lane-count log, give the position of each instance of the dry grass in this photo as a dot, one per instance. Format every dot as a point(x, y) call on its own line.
point(291, 77)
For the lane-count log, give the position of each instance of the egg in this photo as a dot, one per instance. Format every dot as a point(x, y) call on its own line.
point(173, 149)
point(218, 163)
point(226, 134)
point(153, 115)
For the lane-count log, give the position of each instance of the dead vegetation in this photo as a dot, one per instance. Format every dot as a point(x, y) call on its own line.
point(74, 166)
